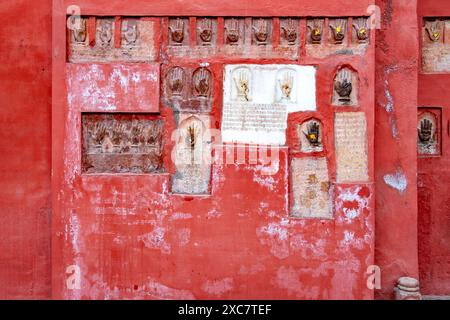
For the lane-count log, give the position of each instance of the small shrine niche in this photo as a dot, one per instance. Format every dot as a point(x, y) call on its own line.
point(310, 135)
point(206, 31)
point(192, 156)
point(428, 132)
point(345, 87)
point(121, 143)
point(178, 31)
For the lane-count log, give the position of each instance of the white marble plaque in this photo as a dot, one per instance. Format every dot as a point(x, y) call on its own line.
point(258, 98)
point(350, 131)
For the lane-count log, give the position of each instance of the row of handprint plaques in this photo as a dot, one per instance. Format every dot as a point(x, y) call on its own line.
point(429, 132)
point(436, 45)
point(96, 39)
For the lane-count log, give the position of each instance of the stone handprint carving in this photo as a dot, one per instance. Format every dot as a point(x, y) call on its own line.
point(79, 35)
point(433, 30)
point(338, 30)
point(129, 33)
point(313, 134)
point(316, 31)
point(290, 32)
point(105, 32)
point(425, 131)
point(361, 29)
point(261, 31)
point(205, 31)
point(286, 85)
point(175, 80)
point(343, 85)
point(202, 80)
point(243, 86)
point(232, 32)
point(177, 31)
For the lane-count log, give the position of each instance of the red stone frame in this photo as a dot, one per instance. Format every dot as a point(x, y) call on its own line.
point(170, 246)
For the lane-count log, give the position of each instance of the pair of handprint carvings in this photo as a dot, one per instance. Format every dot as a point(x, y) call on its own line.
point(177, 83)
point(242, 81)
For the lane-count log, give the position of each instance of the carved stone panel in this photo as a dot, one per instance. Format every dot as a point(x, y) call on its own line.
point(188, 89)
point(258, 98)
point(350, 135)
point(345, 88)
point(178, 31)
point(310, 188)
point(436, 45)
point(192, 155)
point(121, 143)
point(338, 31)
point(360, 30)
point(234, 33)
point(206, 31)
point(289, 32)
point(429, 132)
point(262, 31)
point(137, 42)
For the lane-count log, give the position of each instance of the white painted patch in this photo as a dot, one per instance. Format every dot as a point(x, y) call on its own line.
point(218, 287)
point(397, 181)
point(156, 240)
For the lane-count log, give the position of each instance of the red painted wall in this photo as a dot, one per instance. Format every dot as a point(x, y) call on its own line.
point(395, 143)
point(26, 92)
point(434, 177)
point(132, 238)
point(25, 113)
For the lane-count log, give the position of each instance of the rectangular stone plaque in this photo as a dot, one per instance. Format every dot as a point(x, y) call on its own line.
point(310, 188)
point(350, 134)
point(121, 143)
point(258, 98)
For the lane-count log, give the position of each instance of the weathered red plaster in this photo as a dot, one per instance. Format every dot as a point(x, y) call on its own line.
point(25, 104)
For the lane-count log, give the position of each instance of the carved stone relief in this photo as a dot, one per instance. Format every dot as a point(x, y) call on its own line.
point(206, 31)
point(310, 188)
point(428, 132)
point(178, 31)
point(315, 31)
point(289, 32)
point(192, 155)
point(234, 33)
point(338, 31)
point(360, 30)
point(262, 31)
point(121, 143)
point(310, 136)
point(188, 89)
point(345, 88)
